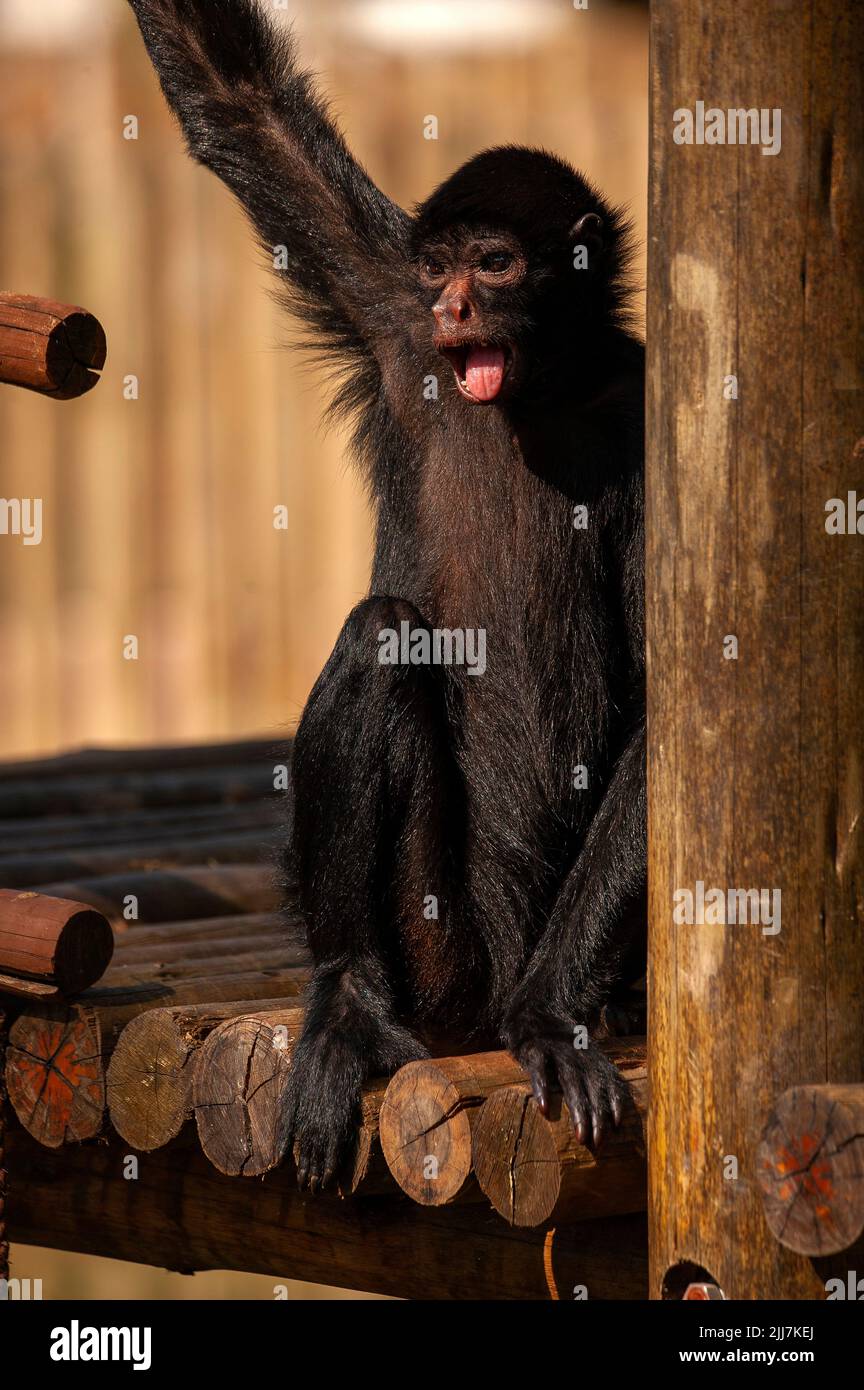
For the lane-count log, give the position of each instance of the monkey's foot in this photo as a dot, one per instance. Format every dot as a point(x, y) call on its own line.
point(592, 1086)
point(319, 1109)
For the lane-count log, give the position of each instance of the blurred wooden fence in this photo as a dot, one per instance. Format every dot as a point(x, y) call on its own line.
point(158, 512)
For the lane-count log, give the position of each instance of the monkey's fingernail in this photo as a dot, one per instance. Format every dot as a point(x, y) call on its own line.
point(540, 1095)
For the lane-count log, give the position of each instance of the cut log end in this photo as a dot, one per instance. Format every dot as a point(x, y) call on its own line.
point(54, 1075)
point(240, 1077)
point(811, 1168)
point(515, 1157)
point(149, 1085)
point(426, 1134)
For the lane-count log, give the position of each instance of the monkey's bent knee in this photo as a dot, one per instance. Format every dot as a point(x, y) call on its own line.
point(378, 614)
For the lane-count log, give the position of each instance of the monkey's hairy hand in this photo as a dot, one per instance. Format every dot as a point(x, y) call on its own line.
point(320, 1109)
point(592, 1086)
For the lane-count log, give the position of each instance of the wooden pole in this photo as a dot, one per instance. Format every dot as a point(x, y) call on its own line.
point(55, 349)
point(57, 946)
point(811, 1168)
point(187, 1216)
point(143, 829)
point(149, 759)
point(238, 1087)
point(755, 638)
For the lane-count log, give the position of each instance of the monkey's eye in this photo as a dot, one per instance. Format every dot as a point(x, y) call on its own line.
point(496, 262)
point(432, 267)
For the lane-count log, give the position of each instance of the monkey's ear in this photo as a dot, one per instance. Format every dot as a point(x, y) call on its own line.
point(588, 231)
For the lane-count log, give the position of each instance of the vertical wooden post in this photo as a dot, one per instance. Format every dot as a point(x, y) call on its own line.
point(756, 764)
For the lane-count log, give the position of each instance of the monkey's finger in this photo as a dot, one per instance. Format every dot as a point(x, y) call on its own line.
point(540, 1085)
point(577, 1105)
point(616, 1104)
point(594, 1084)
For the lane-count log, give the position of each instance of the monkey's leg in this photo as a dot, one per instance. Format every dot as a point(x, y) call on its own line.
point(368, 757)
point(580, 954)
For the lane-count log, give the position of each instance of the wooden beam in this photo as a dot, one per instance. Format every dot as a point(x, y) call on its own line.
point(755, 414)
point(186, 1216)
point(55, 349)
point(51, 943)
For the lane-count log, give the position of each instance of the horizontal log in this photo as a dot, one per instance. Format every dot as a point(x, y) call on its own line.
point(426, 1118)
point(532, 1169)
point(172, 756)
point(163, 936)
point(185, 951)
point(265, 956)
point(124, 792)
point(149, 1077)
point(810, 1165)
point(144, 828)
point(58, 1055)
point(50, 941)
point(55, 349)
point(169, 895)
point(241, 847)
point(187, 1216)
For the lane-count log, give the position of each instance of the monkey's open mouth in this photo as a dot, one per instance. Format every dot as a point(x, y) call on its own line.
point(480, 369)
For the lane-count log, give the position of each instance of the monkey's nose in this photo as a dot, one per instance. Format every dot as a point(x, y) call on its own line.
point(455, 308)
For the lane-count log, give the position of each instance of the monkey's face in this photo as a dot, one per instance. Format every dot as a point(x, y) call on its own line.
point(475, 287)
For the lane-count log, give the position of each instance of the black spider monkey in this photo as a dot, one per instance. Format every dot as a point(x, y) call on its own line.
point(469, 849)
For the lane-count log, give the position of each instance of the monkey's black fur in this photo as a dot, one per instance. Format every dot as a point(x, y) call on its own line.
point(421, 782)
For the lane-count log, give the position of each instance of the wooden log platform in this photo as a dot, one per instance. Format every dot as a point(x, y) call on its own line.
point(181, 1046)
point(57, 1055)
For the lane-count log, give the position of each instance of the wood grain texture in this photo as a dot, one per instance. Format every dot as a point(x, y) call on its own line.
point(52, 942)
point(55, 349)
point(182, 1214)
point(426, 1119)
point(531, 1168)
point(191, 891)
point(58, 1055)
point(811, 1168)
point(150, 1074)
point(755, 764)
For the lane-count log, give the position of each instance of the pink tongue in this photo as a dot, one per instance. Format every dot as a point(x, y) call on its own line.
point(484, 372)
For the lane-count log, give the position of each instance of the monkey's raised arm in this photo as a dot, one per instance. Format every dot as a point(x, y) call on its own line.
point(249, 115)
